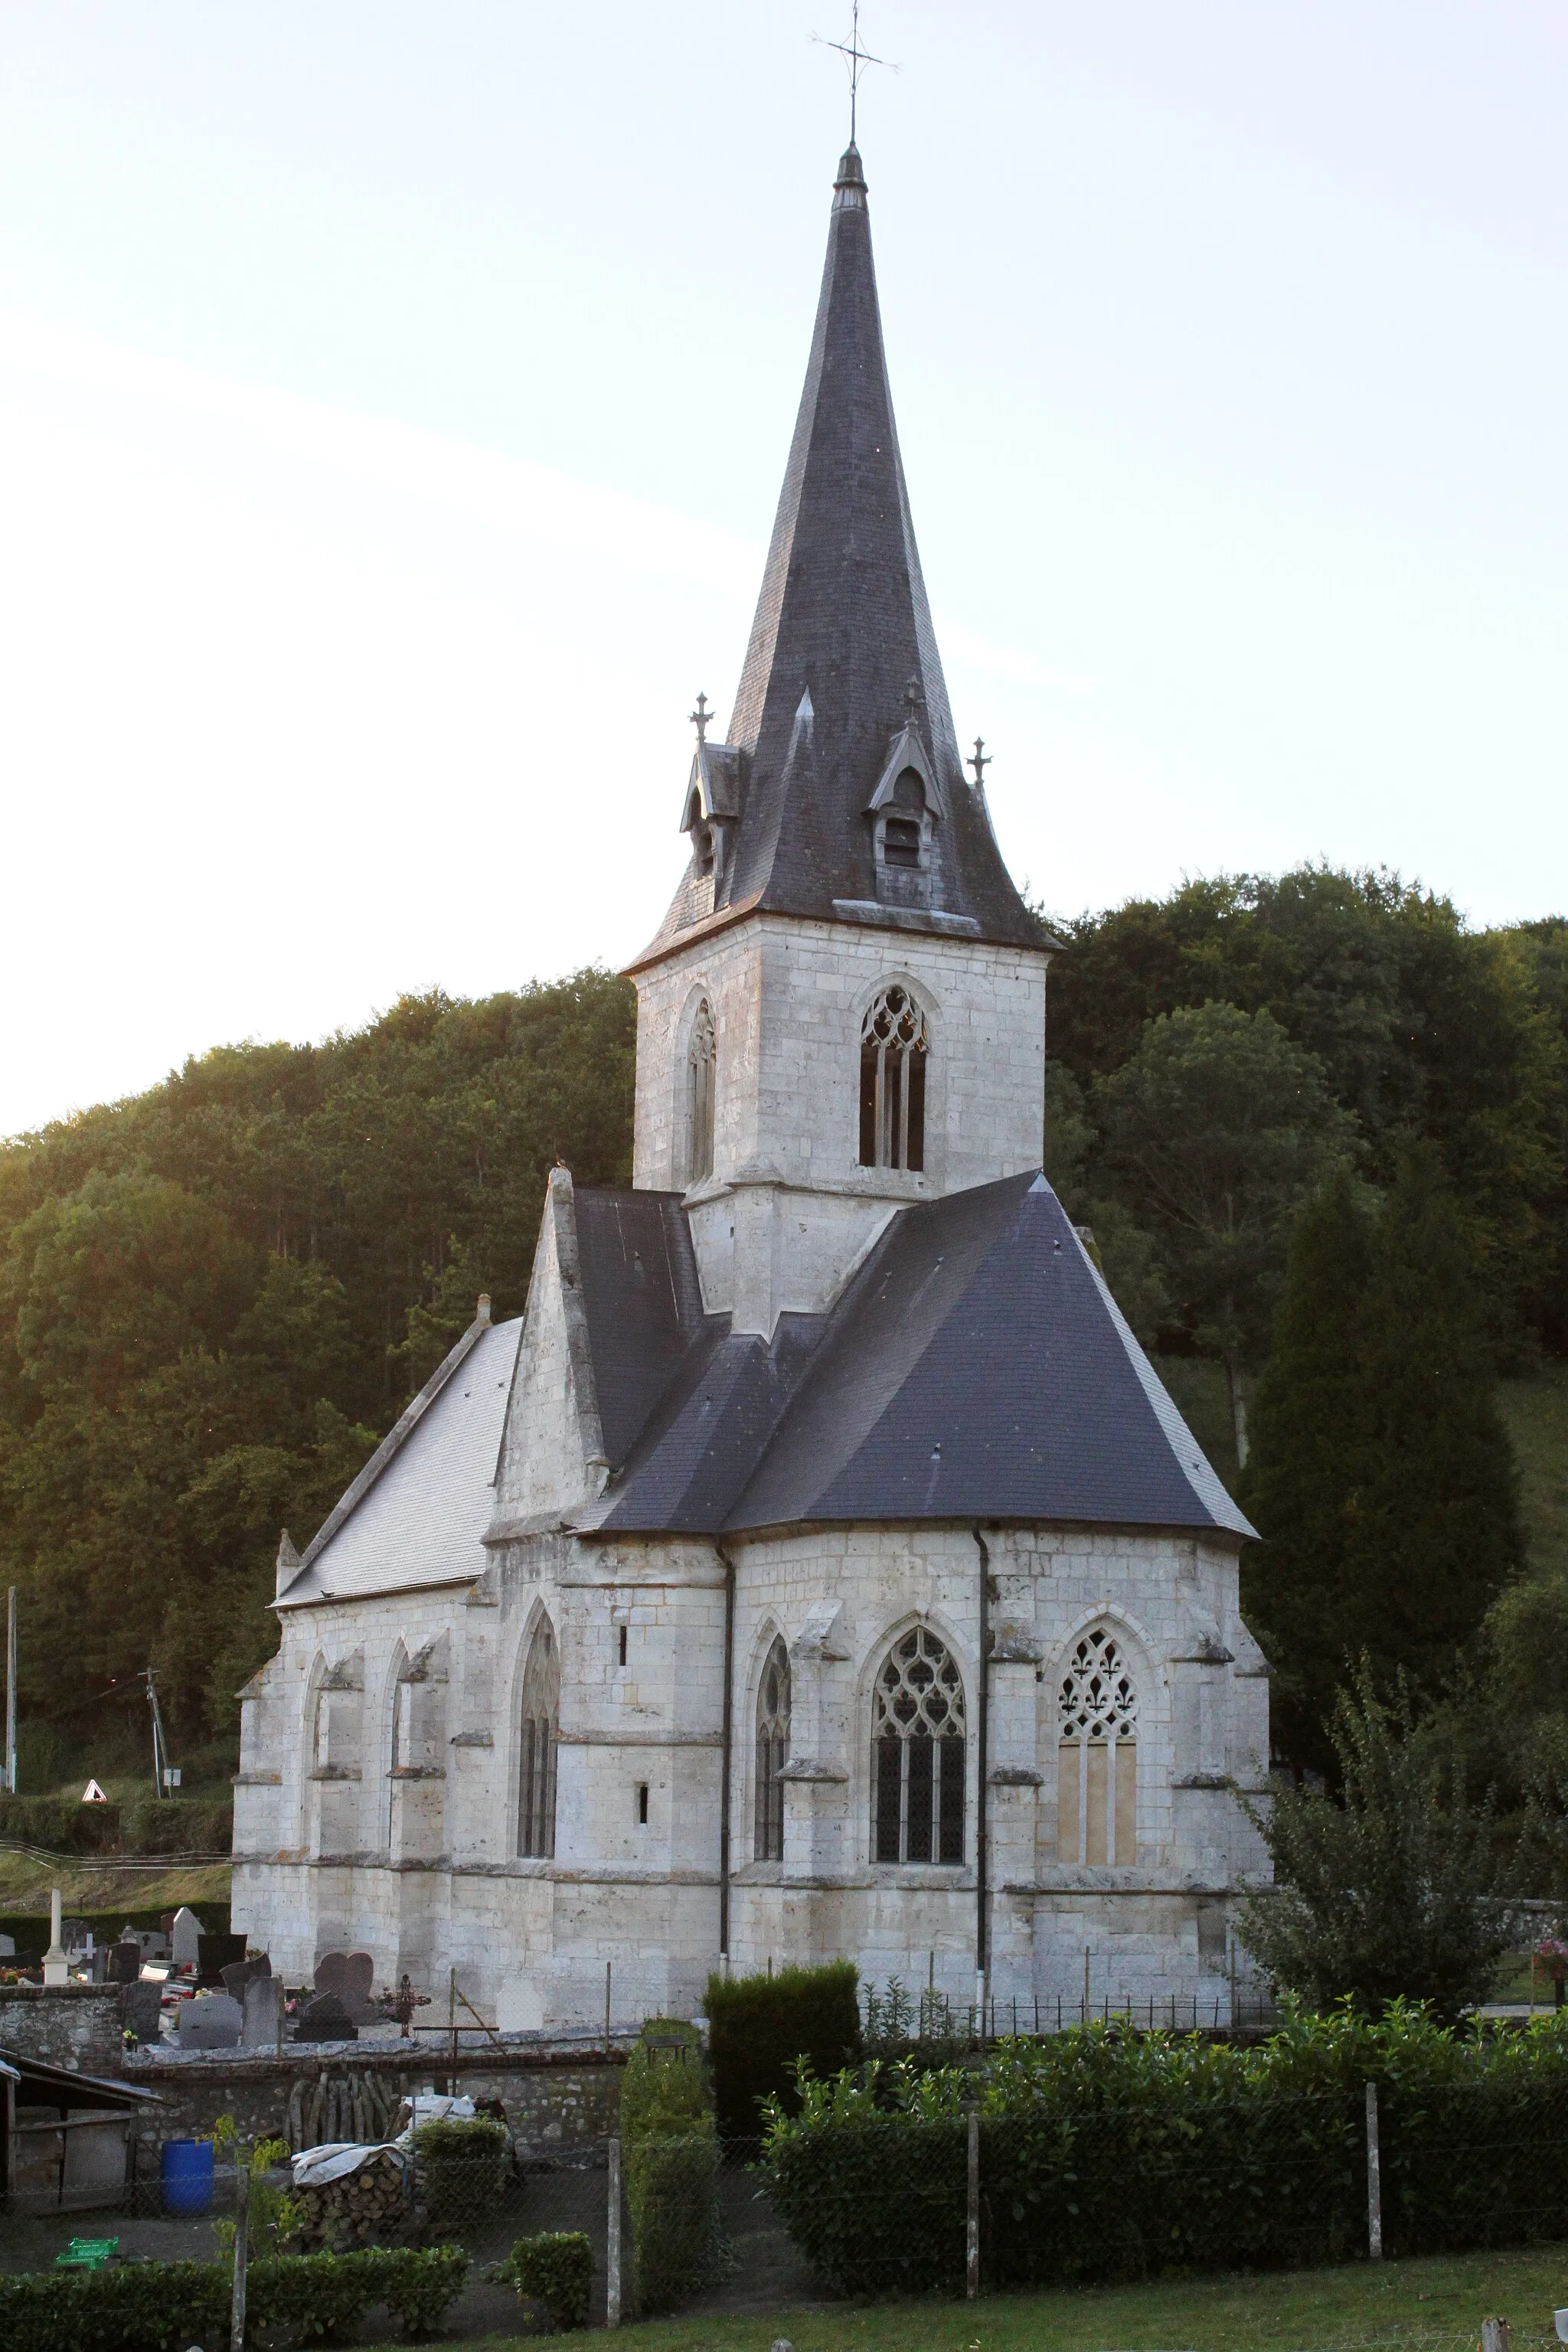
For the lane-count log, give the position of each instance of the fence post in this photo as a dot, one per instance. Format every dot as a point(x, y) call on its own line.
point(1374, 2180)
point(971, 2247)
point(241, 2249)
point(612, 2249)
point(1497, 2335)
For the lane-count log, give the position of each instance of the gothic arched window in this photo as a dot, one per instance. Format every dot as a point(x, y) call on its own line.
point(1097, 1754)
point(918, 1753)
point(701, 1057)
point(541, 1731)
point(893, 1081)
point(772, 1752)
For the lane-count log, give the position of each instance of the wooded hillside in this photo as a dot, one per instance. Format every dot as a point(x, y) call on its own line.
point(216, 1295)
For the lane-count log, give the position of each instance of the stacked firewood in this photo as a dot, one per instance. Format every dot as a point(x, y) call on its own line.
point(341, 2106)
point(371, 2204)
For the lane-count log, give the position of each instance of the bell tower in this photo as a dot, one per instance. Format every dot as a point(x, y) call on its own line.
point(844, 1008)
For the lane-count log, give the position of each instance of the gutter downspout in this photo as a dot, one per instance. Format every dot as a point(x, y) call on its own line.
point(729, 1567)
point(982, 1833)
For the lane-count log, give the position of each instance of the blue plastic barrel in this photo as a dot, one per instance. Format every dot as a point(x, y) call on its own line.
point(186, 2176)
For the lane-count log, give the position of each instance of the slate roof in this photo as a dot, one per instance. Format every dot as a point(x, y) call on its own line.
point(415, 1514)
point(976, 1367)
point(842, 629)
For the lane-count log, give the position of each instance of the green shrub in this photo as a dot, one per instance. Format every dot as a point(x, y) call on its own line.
point(145, 2307)
point(133, 2307)
point(60, 1825)
point(761, 2026)
point(1108, 2154)
point(671, 2152)
point(176, 1825)
point(459, 2169)
point(554, 2268)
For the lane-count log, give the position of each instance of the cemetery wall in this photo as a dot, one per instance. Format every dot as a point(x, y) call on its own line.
point(74, 2025)
point(554, 2103)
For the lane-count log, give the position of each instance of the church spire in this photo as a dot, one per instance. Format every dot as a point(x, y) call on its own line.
point(842, 677)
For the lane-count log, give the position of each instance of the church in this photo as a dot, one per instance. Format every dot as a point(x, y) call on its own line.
point(818, 1569)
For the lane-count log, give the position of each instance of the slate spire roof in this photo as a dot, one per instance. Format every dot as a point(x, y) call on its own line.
point(843, 657)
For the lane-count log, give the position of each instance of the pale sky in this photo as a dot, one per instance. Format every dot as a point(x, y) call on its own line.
point(394, 399)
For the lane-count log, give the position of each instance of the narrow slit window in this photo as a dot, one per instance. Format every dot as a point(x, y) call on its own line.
point(917, 1754)
point(773, 1753)
point(893, 1082)
point(642, 1803)
point(702, 1063)
point(1097, 1756)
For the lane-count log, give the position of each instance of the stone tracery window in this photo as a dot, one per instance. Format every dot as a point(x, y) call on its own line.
point(918, 1753)
point(893, 1047)
point(539, 1736)
point(1097, 1754)
point(772, 1752)
point(701, 1060)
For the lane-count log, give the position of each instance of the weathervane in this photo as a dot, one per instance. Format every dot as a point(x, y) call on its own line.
point(855, 57)
point(979, 759)
point(701, 718)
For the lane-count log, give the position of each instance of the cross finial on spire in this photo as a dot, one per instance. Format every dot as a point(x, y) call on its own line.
point(855, 57)
point(979, 759)
point(701, 718)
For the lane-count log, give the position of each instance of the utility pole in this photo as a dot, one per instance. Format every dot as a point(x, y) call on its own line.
point(160, 1745)
point(11, 1691)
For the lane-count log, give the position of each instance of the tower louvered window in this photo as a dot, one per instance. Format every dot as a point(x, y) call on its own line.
point(700, 1067)
point(539, 1736)
point(893, 1081)
point(773, 1753)
point(1097, 1755)
point(918, 1752)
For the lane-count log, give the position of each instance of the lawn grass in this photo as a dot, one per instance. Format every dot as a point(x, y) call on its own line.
point(1444, 2297)
point(96, 1882)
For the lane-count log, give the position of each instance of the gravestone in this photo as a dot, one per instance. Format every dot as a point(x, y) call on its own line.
point(140, 2009)
point(240, 1973)
point(349, 1977)
point(8, 1947)
point(263, 2004)
point(325, 2020)
point(184, 1938)
point(213, 1954)
point(125, 1961)
point(215, 2024)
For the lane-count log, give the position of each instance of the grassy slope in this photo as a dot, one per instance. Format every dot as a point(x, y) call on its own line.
point(1445, 2299)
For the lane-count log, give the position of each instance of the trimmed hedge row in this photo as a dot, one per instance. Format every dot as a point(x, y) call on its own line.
point(758, 2027)
point(59, 1824)
point(1105, 2155)
point(146, 2306)
point(173, 1825)
point(671, 2153)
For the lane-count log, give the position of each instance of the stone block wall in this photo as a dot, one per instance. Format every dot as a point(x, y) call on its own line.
point(72, 2025)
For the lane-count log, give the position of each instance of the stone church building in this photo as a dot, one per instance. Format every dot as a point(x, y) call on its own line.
point(817, 1567)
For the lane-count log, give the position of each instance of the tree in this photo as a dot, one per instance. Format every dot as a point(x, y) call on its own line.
point(1381, 1479)
point(1215, 1132)
point(1388, 1890)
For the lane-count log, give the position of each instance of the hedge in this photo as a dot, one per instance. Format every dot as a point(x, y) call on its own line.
point(459, 2169)
point(145, 2307)
point(554, 2268)
point(59, 1824)
point(671, 2155)
point(1105, 2155)
point(758, 2027)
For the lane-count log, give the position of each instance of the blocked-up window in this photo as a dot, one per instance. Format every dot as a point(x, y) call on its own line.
point(539, 1737)
point(1097, 1755)
point(702, 1063)
point(918, 1753)
point(893, 1081)
point(773, 1753)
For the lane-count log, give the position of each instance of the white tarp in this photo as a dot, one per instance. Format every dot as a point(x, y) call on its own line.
point(314, 2166)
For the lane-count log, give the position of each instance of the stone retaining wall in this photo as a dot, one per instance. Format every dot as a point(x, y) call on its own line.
point(74, 2025)
point(554, 2100)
